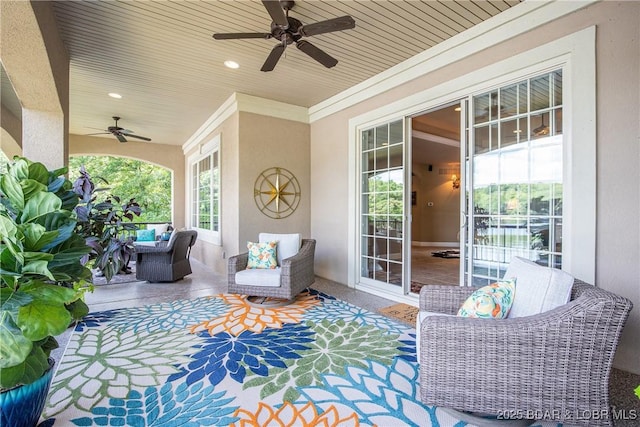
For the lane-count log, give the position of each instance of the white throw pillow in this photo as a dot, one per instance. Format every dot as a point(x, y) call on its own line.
point(159, 228)
point(288, 244)
point(538, 288)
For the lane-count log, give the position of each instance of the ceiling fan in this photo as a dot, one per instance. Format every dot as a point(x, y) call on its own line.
point(289, 30)
point(120, 133)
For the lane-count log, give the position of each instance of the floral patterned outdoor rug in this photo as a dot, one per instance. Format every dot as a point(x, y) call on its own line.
point(223, 362)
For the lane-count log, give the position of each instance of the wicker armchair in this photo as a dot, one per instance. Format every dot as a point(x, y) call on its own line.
point(554, 365)
point(166, 261)
point(296, 274)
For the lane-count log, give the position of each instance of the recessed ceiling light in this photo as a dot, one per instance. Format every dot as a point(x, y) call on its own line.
point(231, 64)
point(115, 95)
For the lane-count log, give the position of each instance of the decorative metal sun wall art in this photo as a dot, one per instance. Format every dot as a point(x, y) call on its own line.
point(276, 192)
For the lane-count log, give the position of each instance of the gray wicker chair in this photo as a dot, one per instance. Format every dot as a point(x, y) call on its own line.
point(554, 365)
point(296, 274)
point(166, 261)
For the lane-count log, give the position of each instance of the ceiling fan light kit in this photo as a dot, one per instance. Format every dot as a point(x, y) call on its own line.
point(288, 30)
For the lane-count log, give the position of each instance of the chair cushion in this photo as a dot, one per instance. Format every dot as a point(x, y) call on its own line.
point(262, 255)
point(258, 277)
point(146, 235)
point(489, 302)
point(288, 244)
point(144, 243)
point(174, 234)
point(538, 288)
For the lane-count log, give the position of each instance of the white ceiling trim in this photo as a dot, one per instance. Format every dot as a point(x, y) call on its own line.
point(268, 107)
point(227, 108)
point(250, 104)
point(514, 21)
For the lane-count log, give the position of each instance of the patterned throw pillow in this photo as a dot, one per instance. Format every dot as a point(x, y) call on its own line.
point(490, 302)
point(262, 255)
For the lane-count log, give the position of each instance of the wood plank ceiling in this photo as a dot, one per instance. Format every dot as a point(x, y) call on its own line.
point(160, 56)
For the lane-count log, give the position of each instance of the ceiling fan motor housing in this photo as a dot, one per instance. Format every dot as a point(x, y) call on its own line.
point(290, 33)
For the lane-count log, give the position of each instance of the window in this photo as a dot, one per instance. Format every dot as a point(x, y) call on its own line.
point(205, 190)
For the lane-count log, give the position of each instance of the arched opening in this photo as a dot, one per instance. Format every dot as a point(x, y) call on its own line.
point(128, 178)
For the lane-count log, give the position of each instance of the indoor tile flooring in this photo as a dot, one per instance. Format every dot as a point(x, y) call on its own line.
point(204, 282)
point(427, 269)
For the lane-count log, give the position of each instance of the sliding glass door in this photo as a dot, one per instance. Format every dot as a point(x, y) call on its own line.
point(382, 206)
point(514, 179)
point(511, 157)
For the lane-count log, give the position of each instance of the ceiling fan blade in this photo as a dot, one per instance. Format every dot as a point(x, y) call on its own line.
point(98, 133)
point(120, 137)
point(273, 58)
point(130, 135)
point(233, 36)
point(316, 53)
point(276, 12)
point(328, 26)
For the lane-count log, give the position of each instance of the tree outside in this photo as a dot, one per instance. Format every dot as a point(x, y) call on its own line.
point(149, 184)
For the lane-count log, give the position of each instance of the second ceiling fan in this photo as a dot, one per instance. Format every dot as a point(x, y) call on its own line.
point(288, 30)
point(120, 133)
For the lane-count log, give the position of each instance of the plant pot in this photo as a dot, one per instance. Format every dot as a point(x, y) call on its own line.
point(22, 406)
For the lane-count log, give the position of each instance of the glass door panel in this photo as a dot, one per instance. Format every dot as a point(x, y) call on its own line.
point(514, 177)
point(382, 203)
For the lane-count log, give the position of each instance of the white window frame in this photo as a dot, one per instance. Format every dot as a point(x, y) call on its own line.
point(207, 149)
point(575, 54)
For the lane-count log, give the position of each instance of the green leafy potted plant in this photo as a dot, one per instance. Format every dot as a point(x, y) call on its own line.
point(42, 283)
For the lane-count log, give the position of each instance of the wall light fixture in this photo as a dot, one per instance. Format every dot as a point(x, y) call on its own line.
point(455, 181)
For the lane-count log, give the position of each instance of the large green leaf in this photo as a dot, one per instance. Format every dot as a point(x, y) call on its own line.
point(68, 256)
point(39, 205)
point(37, 267)
point(42, 318)
point(9, 278)
point(56, 184)
point(14, 346)
point(51, 293)
point(31, 187)
point(65, 232)
point(37, 256)
point(8, 260)
point(55, 220)
point(58, 172)
point(11, 188)
point(20, 169)
point(38, 172)
point(69, 200)
point(13, 300)
point(78, 309)
point(71, 273)
point(26, 372)
point(37, 237)
point(7, 228)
